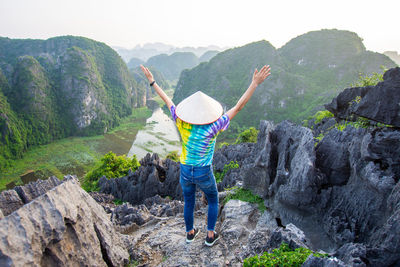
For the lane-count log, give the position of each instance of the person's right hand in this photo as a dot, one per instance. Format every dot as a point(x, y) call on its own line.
point(147, 72)
point(260, 76)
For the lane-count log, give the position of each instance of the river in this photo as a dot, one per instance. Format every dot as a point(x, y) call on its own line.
point(159, 136)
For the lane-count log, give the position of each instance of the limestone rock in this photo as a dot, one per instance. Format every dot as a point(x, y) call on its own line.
point(384, 96)
point(353, 254)
point(312, 261)
point(32, 190)
point(63, 227)
point(153, 177)
point(238, 220)
point(10, 201)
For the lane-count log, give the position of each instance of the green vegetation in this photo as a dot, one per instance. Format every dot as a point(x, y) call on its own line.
point(307, 72)
point(220, 145)
point(245, 195)
point(173, 155)
point(369, 80)
point(74, 155)
point(219, 176)
point(282, 256)
point(118, 201)
point(318, 117)
point(51, 91)
point(247, 136)
point(172, 65)
point(132, 263)
point(110, 165)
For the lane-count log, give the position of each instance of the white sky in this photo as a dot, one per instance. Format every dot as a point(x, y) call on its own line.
point(200, 23)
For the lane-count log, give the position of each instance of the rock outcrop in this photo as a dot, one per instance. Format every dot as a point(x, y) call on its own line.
point(153, 177)
point(362, 101)
point(348, 184)
point(62, 227)
point(13, 199)
point(344, 187)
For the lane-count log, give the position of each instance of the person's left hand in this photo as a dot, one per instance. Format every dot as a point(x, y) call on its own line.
point(147, 72)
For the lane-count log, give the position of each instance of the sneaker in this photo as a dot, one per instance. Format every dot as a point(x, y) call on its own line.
point(210, 241)
point(191, 237)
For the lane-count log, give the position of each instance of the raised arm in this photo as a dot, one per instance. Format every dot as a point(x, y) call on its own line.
point(258, 78)
point(158, 89)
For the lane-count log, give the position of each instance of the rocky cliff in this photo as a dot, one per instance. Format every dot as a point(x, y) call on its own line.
point(342, 191)
point(60, 87)
point(59, 225)
point(339, 193)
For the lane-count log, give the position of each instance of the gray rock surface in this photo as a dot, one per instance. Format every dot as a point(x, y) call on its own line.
point(153, 177)
point(384, 96)
point(353, 254)
point(10, 201)
point(313, 261)
point(63, 227)
point(13, 199)
point(244, 232)
point(343, 190)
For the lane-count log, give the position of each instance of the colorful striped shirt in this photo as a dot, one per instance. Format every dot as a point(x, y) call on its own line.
point(198, 141)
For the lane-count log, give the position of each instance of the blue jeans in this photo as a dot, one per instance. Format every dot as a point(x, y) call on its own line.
point(190, 177)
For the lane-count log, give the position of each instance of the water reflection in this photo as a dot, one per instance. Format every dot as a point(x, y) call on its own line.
point(159, 136)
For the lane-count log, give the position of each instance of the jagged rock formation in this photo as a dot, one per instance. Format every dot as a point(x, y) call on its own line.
point(346, 188)
point(62, 227)
point(153, 177)
point(11, 200)
point(343, 191)
point(348, 183)
point(357, 101)
point(340, 194)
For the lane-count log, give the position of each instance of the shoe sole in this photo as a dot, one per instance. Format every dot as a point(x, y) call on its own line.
point(190, 241)
point(211, 244)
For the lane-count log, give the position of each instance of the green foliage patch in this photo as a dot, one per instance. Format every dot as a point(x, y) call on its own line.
point(247, 136)
point(245, 195)
point(282, 256)
point(110, 165)
point(173, 155)
point(369, 80)
point(219, 176)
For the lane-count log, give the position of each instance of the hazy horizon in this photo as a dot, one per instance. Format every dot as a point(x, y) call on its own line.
point(182, 23)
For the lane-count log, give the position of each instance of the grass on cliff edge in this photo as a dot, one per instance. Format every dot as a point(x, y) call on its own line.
point(245, 195)
point(282, 256)
point(76, 155)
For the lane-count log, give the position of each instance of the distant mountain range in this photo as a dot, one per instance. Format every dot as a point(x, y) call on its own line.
point(172, 65)
point(146, 51)
point(307, 72)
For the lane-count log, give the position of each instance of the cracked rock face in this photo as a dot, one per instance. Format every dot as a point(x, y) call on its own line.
point(345, 190)
point(153, 177)
point(62, 227)
point(379, 103)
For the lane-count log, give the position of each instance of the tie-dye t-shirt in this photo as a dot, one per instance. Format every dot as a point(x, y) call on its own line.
point(198, 141)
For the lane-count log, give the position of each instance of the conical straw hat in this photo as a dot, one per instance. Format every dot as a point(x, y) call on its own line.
point(199, 108)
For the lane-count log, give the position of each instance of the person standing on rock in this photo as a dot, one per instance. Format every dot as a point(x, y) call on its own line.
point(200, 119)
